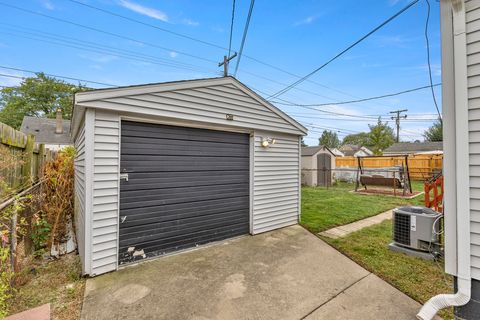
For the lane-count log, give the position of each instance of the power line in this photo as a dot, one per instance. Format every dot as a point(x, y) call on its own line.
point(366, 99)
point(57, 76)
point(244, 37)
point(100, 48)
point(428, 62)
point(279, 93)
point(105, 32)
point(205, 43)
point(231, 29)
point(148, 24)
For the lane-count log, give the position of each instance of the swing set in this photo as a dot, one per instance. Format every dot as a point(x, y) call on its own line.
point(387, 181)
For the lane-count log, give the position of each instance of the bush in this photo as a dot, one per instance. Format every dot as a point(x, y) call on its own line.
point(57, 194)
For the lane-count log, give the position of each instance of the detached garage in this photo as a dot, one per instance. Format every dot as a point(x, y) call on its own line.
point(170, 166)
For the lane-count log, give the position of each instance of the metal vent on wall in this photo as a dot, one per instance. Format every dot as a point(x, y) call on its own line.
point(401, 228)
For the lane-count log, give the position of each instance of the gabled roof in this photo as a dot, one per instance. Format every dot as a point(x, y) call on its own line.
point(349, 150)
point(310, 151)
point(44, 130)
point(107, 93)
point(414, 147)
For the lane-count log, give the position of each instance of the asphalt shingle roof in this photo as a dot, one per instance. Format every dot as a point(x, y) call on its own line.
point(414, 147)
point(310, 151)
point(44, 130)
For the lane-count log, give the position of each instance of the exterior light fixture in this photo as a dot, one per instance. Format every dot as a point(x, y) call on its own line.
point(267, 142)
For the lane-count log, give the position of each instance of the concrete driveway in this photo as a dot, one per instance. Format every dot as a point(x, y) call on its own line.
point(283, 274)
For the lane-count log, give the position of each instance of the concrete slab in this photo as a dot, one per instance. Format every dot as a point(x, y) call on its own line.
point(342, 231)
point(369, 298)
point(283, 274)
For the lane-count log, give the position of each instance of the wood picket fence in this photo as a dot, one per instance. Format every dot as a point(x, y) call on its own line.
point(22, 160)
point(421, 167)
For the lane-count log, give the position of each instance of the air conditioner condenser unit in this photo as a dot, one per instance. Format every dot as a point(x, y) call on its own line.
point(416, 228)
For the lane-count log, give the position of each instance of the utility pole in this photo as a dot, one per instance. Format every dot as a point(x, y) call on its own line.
point(397, 118)
point(226, 61)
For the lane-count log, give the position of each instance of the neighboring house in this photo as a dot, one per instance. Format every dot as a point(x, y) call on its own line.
point(405, 148)
point(337, 152)
point(169, 166)
point(317, 166)
point(352, 150)
point(460, 32)
point(54, 133)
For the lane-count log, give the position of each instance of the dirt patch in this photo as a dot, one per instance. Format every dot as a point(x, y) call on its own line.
point(391, 193)
point(57, 282)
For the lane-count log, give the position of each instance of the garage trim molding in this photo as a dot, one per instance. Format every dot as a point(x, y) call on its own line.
point(274, 172)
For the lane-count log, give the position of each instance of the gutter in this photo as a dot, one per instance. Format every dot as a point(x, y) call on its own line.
point(463, 294)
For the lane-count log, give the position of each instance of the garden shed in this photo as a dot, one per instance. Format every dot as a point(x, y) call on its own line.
point(169, 166)
point(317, 165)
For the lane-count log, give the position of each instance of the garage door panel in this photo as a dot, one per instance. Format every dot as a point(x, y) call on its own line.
point(134, 129)
point(160, 216)
point(162, 193)
point(153, 249)
point(173, 238)
point(186, 226)
point(212, 178)
point(180, 199)
point(192, 207)
point(185, 187)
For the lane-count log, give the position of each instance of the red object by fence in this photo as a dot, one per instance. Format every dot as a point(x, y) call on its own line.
point(435, 202)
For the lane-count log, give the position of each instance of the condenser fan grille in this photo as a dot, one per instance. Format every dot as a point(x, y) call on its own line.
point(401, 228)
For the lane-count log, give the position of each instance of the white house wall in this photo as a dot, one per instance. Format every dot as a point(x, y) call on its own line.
point(276, 196)
point(79, 185)
point(473, 71)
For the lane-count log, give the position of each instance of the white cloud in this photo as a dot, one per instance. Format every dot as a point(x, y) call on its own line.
point(190, 22)
point(47, 4)
point(146, 11)
point(393, 2)
point(398, 41)
point(98, 58)
point(173, 54)
point(307, 20)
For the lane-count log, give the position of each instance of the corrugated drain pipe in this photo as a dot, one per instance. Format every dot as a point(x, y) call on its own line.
point(462, 296)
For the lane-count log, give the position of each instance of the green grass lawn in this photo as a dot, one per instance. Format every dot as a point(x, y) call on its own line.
point(324, 208)
point(418, 278)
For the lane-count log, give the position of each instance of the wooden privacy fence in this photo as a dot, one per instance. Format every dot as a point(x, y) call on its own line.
point(21, 160)
point(421, 167)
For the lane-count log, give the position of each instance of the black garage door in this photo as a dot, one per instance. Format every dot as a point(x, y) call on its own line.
point(185, 187)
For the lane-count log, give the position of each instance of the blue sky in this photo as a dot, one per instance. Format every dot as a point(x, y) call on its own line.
point(295, 36)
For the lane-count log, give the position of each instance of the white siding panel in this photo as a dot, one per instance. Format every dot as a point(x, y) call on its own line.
point(79, 184)
point(473, 71)
point(105, 192)
point(276, 183)
point(207, 104)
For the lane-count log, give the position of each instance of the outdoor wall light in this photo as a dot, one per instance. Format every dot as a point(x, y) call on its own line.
point(267, 142)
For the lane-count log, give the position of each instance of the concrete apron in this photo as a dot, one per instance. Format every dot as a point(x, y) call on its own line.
point(283, 274)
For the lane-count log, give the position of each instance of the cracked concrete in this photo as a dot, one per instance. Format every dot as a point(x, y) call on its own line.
point(283, 274)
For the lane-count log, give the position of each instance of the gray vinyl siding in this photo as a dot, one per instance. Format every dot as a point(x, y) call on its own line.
point(105, 192)
point(275, 183)
point(204, 104)
point(473, 72)
point(79, 185)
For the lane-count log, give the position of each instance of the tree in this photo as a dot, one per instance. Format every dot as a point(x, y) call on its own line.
point(380, 137)
point(360, 139)
point(303, 143)
point(434, 133)
point(38, 96)
point(329, 139)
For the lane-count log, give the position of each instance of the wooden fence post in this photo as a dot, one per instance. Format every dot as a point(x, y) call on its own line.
point(41, 159)
point(27, 178)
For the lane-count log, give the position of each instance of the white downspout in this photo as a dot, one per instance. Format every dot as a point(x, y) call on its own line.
point(462, 296)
